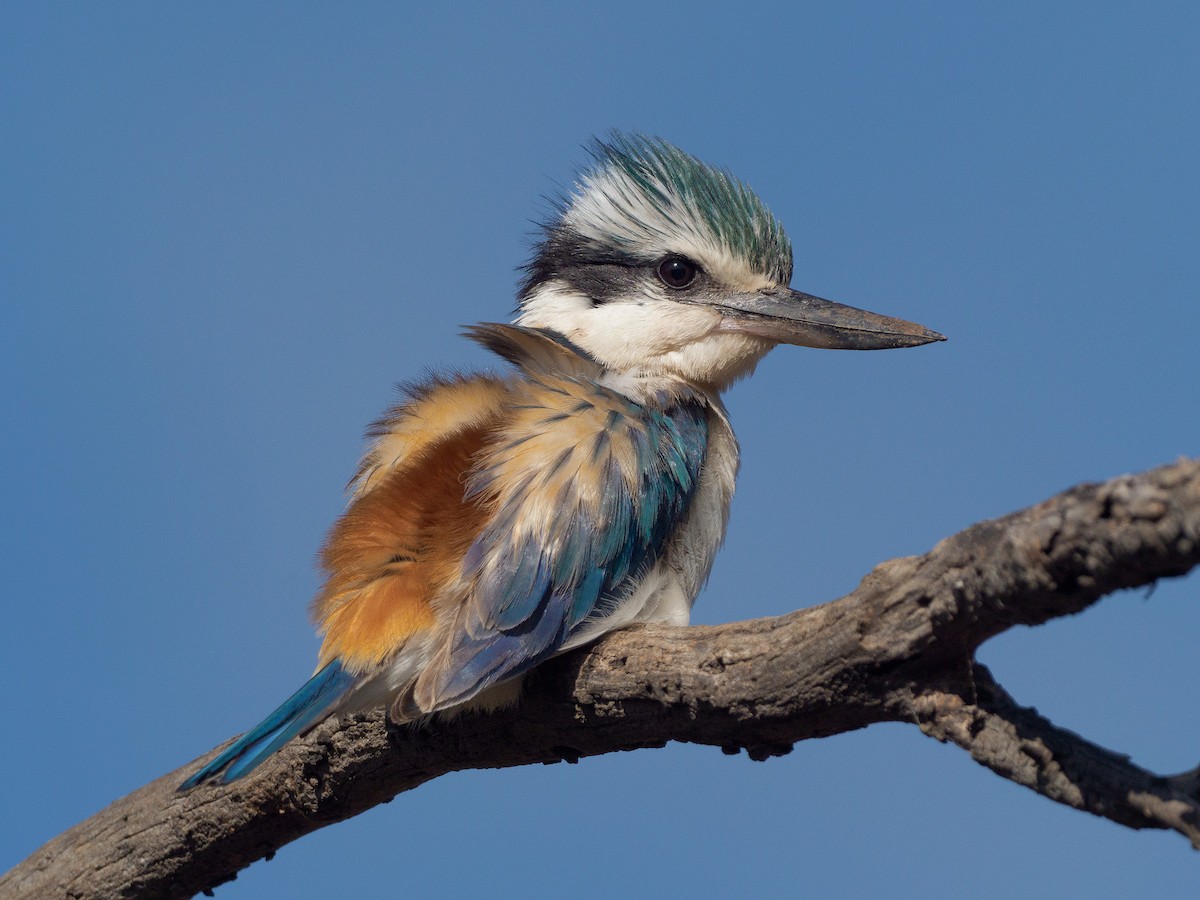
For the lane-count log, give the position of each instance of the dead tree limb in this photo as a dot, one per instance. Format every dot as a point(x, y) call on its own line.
point(901, 647)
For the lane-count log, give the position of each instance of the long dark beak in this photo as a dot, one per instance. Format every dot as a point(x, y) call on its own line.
point(791, 317)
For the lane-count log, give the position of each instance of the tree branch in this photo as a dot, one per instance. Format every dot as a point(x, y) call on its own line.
point(901, 647)
point(978, 715)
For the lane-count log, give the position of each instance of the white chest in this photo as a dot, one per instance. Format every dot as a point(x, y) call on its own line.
point(691, 552)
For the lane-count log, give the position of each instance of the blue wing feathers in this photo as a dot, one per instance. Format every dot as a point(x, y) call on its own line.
point(587, 597)
point(503, 655)
point(305, 708)
point(531, 593)
point(524, 591)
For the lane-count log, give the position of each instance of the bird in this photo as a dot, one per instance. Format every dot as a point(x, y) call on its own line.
point(500, 519)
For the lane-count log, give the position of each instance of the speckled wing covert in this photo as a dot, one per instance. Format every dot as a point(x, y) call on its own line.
point(533, 508)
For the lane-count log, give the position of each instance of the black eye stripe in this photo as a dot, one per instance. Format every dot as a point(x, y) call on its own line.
point(677, 272)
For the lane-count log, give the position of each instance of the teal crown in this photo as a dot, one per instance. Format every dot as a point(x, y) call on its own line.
point(687, 193)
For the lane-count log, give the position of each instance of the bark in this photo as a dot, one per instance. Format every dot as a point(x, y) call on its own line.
point(901, 647)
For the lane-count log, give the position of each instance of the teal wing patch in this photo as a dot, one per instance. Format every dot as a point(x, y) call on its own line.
point(587, 486)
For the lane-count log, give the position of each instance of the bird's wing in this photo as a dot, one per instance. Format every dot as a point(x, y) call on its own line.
point(583, 488)
point(403, 538)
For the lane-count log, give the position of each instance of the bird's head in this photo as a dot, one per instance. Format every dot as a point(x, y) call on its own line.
point(662, 264)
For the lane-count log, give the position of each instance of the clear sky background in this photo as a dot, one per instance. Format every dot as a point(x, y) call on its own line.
point(226, 232)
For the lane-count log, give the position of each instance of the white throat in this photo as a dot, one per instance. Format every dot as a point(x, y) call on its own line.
point(645, 336)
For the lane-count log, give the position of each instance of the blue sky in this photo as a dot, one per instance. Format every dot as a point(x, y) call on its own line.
point(226, 232)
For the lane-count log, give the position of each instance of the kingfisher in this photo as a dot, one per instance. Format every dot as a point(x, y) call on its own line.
point(498, 520)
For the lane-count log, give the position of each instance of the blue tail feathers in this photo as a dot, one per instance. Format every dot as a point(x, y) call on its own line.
point(303, 709)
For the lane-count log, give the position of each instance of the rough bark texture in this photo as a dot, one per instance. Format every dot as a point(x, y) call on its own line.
point(899, 648)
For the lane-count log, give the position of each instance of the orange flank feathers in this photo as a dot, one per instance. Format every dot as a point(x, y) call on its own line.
point(403, 539)
point(434, 411)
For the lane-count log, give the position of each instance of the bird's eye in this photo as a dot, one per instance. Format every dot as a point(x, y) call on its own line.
point(677, 272)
